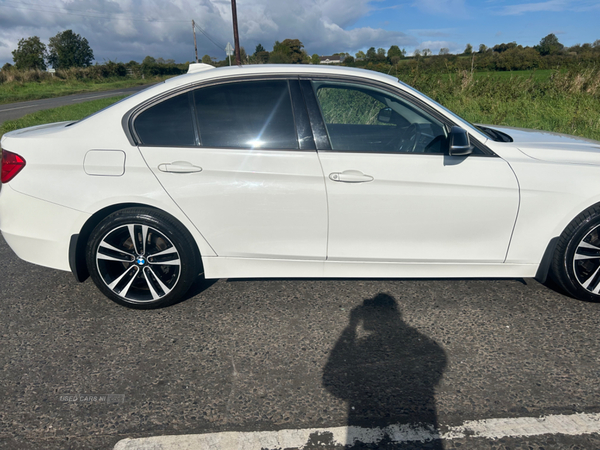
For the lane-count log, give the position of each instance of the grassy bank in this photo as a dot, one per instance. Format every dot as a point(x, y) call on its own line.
point(564, 102)
point(61, 114)
point(19, 91)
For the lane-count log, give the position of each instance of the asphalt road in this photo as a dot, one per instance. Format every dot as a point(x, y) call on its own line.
point(253, 355)
point(12, 111)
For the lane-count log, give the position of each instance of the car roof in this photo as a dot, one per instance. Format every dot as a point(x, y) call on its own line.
point(206, 72)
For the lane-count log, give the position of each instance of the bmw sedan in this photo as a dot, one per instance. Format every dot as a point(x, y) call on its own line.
point(296, 171)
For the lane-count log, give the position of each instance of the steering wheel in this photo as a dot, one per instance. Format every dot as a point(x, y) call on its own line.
point(410, 138)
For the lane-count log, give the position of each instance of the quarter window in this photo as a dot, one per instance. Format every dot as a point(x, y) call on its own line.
point(253, 114)
point(168, 123)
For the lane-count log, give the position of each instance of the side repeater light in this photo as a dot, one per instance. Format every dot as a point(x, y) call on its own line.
point(12, 164)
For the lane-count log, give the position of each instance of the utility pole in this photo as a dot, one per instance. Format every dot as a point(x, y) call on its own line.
point(195, 46)
point(236, 38)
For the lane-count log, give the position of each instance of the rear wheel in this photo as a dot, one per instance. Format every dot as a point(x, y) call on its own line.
point(576, 264)
point(141, 258)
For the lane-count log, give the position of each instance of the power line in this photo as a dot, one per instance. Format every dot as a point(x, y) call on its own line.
point(218, 44)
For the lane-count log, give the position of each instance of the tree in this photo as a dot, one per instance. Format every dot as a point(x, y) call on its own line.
point(596, 43)
point(371, 54)
point(290, 51)
point(394, 52)
point(504, 47)
point(297, 55)
point(206, 59)
point(6, 67)
point(549, 45)
point(30, 54)
point(314, 59)
point(360, 55)
point(468, 49)
point(482, 48)
point(262, 57)
point(259, 48)
point(426, 52)
point(68, 49)
point(444, 51)
point(380, 53)
point(148, 66)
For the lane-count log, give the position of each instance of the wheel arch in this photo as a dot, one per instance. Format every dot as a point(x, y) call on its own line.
point(78, 242)
point(545, 267)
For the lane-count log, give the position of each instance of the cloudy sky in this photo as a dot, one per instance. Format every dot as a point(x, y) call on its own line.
point(127, 30)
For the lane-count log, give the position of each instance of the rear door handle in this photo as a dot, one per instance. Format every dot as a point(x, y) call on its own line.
point(179, 167)
point(350, 176)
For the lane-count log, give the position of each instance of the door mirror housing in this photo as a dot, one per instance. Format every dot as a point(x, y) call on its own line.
point(385, 115)
point(459, 144)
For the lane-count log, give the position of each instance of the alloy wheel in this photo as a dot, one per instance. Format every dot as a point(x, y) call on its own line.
point(138, 263)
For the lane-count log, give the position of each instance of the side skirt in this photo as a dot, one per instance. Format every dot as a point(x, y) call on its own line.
point(221, 267)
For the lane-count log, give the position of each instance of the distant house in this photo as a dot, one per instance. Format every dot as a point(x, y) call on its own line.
point(334, 59)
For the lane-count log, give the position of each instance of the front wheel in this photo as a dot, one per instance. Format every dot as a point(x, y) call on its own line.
point(141, 258)
point(576, 264)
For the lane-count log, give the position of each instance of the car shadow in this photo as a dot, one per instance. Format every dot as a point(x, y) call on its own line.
point(387, 372)
point(199, 285)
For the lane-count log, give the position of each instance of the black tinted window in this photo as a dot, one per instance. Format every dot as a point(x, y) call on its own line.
point(253, 114)
point(168, 123)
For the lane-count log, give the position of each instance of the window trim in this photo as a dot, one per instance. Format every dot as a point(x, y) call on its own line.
point(128, 120)
point(320, 130)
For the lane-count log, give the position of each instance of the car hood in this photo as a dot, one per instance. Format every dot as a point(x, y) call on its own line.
point(553, 147)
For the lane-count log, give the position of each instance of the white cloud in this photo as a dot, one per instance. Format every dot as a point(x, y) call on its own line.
point(435, 46)
point(131, 29)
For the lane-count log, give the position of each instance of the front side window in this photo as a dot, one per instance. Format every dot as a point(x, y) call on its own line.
point(251, 114)
point(364, 119)
point(168, 123)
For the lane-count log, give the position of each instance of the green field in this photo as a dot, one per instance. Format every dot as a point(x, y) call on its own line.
point(559, 101)
point(564, 102)
point(61, 114)
point(14, 91)
point(540, 75)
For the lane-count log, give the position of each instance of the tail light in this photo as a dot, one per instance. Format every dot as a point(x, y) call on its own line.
point(11, 166)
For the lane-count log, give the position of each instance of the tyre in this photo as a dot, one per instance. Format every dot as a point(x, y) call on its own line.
point(142, 258)
point(576, 263)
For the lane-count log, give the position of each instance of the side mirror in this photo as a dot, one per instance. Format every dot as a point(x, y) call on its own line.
point(459, 144)
point(385, 115)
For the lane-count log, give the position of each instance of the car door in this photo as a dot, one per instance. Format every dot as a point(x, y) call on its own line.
point(229, 156)
point(393, 192)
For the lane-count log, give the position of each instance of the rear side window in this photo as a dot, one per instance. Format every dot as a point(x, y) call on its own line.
point(251, 114)
point(168, 123)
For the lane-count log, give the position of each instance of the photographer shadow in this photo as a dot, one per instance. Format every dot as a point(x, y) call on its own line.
point(387, 372)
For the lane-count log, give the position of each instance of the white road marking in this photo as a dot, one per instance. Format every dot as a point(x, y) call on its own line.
point(112, 94)
point(19, 107)
point(572, 425)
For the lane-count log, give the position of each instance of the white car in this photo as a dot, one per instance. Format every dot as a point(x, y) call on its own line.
point(296, 171)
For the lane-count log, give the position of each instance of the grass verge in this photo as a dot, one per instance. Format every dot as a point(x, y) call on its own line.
point(564, 102)
point(18, 92)
point(60, 114)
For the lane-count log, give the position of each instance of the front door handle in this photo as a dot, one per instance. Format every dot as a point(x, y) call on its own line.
point(350, 176)
point(179, 167)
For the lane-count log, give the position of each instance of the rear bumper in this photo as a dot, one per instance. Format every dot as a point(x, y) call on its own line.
point(38, 231)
